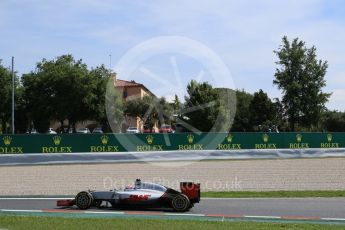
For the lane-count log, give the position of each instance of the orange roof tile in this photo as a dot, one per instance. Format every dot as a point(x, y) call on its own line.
point(122, 83)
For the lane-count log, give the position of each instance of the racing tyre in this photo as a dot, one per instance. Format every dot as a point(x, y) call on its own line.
point(83, 200)
point(180, 203)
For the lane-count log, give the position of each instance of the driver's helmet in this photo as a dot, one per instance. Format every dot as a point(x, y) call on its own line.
point(137, 183)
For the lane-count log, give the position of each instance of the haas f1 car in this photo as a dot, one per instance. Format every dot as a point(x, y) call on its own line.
point(142, 194)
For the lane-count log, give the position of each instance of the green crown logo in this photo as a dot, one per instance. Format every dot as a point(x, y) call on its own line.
point(265, 137)
point(329, 137)
point(7, 140)
point(299, 137)
point(57, 140)
point(190, 138)
point(149, 139)
point(229, 138)
point(104, 139)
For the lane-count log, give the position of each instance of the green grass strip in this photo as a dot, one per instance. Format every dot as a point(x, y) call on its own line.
point(22, 222)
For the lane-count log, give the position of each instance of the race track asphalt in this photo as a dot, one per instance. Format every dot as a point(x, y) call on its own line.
point(268, 207)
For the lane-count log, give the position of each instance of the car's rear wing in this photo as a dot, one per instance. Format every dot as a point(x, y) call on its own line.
point(191, 190)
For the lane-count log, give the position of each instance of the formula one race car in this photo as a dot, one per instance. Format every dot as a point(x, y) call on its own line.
point(143, 195)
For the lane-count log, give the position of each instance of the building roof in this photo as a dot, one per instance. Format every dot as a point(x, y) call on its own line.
point(124, 83)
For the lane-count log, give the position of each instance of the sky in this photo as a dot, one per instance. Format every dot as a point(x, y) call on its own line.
point(240, 34)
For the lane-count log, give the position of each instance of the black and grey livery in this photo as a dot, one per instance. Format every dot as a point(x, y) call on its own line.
point(142, 194)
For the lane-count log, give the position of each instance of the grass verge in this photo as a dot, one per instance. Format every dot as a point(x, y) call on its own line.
point(25, 222)
point(273, 194)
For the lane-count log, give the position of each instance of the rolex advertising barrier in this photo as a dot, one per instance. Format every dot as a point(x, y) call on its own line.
point(93, 143)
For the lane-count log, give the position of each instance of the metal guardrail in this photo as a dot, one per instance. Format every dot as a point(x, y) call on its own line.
point(159, 156)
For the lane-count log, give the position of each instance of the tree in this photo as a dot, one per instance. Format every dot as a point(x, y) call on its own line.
point(333, 121)
point(5, 96)
point(176, 107)
point(150, 110)
point(203, 108)
point(164, 111)
point(21, 115)
point(114, 109)
point(227, 112)
point(99, 82)
point(6, 99)
point(142, 108)
point(65, 89)
point(56, 91)
point(37, 95)
point(262, 110)
point(280, 119)
point(242, 118)
point(176, 104)
point(300, 76)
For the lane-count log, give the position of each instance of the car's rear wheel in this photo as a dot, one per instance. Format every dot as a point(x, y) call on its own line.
point(180, 203)
point(83, 200)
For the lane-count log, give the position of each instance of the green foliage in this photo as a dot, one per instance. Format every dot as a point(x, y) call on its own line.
point(203, 107)
point(263, 112)
point(164, 111)
point(65, 89)
point(176, 105)
point(114, 109)
point(300, 76)
point(86, 222)
point(150, 110)
point(142, 108)
point(5, 96)
point(227, 109)
point(21, 118)
point(98, 83)
point(242, 121)
point(333, 121)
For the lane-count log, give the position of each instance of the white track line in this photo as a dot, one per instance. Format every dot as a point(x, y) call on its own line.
point(14, 210)
point(334, 219)
point(95, 212)
point(263, 217)
point(181, 214)
point(36, 198)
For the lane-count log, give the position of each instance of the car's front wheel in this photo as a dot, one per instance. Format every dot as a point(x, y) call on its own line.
point(83, 200)
point(180, 203)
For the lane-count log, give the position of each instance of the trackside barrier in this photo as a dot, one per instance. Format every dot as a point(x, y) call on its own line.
point(79, 143)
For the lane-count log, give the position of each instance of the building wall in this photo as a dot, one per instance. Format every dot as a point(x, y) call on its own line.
point(130, 93)
point(133, 93)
